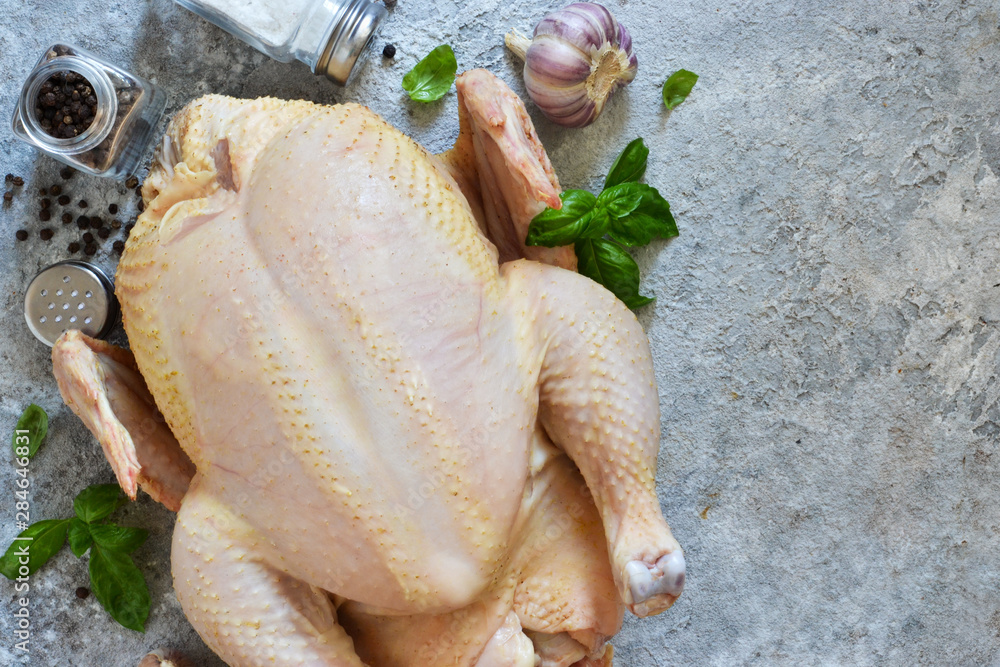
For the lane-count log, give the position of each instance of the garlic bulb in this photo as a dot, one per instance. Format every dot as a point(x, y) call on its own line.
point(577, 58)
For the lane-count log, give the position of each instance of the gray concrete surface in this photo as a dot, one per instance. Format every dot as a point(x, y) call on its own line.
point(825, 333)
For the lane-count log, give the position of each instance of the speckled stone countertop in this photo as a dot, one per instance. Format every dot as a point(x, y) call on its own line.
point(825, 331)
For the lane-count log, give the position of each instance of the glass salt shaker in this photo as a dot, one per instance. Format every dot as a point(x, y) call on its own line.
point(327, 35)
point(107, 115)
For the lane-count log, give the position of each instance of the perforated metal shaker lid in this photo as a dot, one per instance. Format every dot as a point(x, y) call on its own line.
point(70, 295)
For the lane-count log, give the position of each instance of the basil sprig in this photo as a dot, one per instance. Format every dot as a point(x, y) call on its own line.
point(31, 429)
point(432, 77)
point(627, 212)
point(116, 581)
point(677, 87)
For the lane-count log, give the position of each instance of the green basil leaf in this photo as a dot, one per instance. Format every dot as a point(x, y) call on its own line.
point(79, 537)
point(578, 218)
point(620, 200)
point(678, 87)
point(98, 501)
point(609, 264)
point(47, 538)
point(630, 166)
point(432, 77)
point(649, 219)
point(120, 587)
point(118, 538)
point(35, 422)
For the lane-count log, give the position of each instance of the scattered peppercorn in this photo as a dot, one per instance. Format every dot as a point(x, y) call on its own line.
point(9, 178)
point(63, 200)
point(119, 246)
point(389, 51)
point(67, 173)
point(55, 190)
point(90, 248)
point(141, 206)
point(96, 222)
point(83, 222)
point(131, 182)
point(45, 203)
point(104, 232)
point(8, 196)
point(116, 224)
point(82, 592)
point(128, 228)
point(112, 209)
point(43, 191)
point(45, 215)
point(46, 234)
point(390, 3)
point(74, 247)
point(67, 218)
point(83, 203)
point(21, 235)
point(88, 237)
point(18, 181)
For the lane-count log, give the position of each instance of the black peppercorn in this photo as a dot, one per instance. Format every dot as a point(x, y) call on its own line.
point(96, 222)
point(119, 246)
point(73, 247)
point(82, 592)
point(88, 237)
point(131, 182)
point(389, 51)
point(104, 232)
point(112, 208)
point(45, 203)
point(45, 215)
point(45, 234)
point(67, 218)
point(83, 222)
point(9, 178)
point(21, 235)
point(18, 181)
point(83, 203)
point(8, 196)
point(67, 173)
point(90, 248)
point(141, 206)
point(63, 200)
point(116, 224)
point(55, 190)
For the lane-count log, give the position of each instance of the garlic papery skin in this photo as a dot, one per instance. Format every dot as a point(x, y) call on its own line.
point(576, 59)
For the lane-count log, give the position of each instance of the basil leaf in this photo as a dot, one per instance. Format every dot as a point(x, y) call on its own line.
point(432, 77)
point(118, 538)
point(576, 219)
point(98, 501)
point(79, 537)
point(609, 264)
point(649, 218)
point(120, 587)
point(35, 421)
point(678, 87)
point(620, 200)
point(47, 538)
point(630, 166)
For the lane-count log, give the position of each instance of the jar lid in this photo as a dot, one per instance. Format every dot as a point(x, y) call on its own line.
point(70, 295)
point(348, 40)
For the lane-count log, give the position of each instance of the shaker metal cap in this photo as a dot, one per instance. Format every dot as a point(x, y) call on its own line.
point(348, 39)
point(70, 295)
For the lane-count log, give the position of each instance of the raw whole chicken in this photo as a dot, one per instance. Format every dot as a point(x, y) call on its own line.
point(394, 435)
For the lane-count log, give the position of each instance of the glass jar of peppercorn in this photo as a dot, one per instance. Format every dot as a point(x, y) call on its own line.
point(86, 112)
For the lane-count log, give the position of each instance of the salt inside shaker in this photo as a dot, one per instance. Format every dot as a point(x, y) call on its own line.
point(107, 115)
point(327, 35)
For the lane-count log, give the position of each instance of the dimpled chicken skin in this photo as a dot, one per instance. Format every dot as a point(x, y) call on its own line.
point(394, 435)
